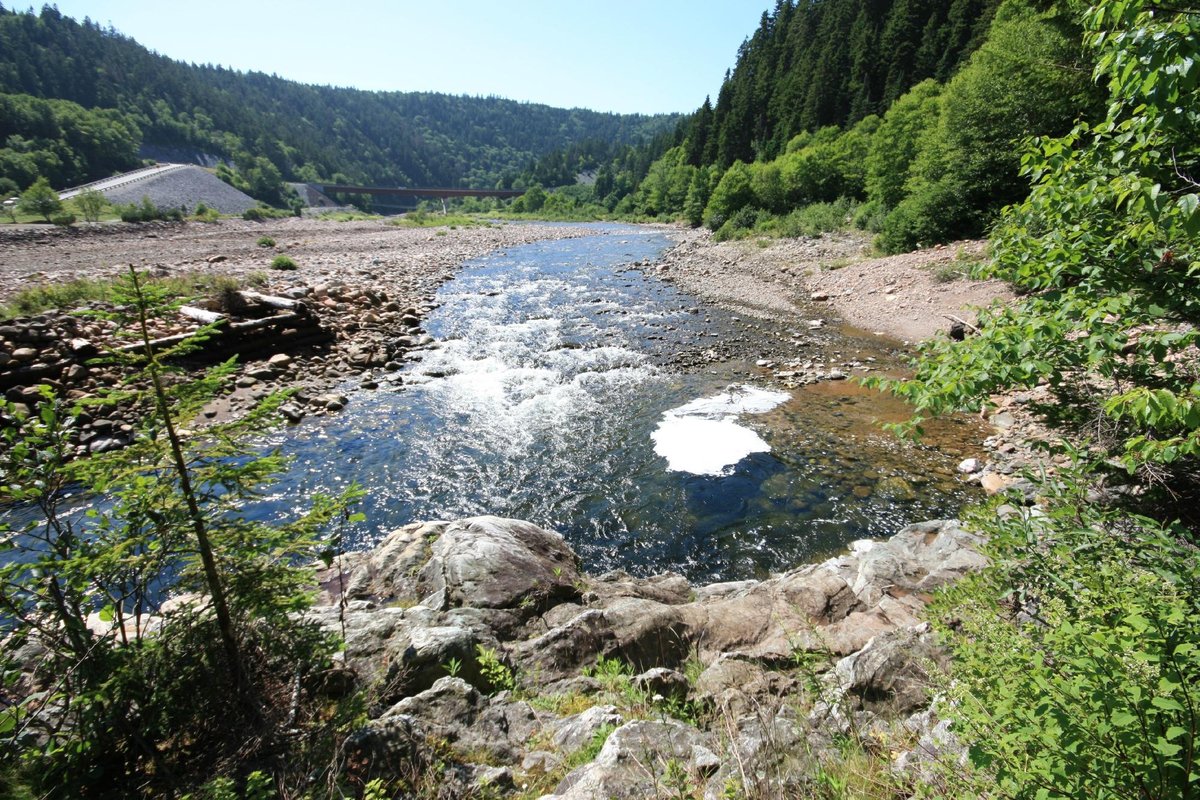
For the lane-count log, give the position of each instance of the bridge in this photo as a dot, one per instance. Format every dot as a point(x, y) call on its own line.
point(427, 192)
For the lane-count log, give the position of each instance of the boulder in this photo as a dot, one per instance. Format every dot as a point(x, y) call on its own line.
point(578, 730)
point(735, 687)
point(662, 682)
point(890, 675)
point(489, 562)
point(474, 724)
point(636, 757)
point(483, 562)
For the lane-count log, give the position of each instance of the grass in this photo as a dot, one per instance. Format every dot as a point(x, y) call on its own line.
point(348, 216)
point(73, 294)
point(283, 263)
point(423, 219)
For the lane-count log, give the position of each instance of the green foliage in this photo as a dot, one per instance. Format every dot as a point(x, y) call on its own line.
point(73, 294)
point(1027, 79)
point(147, 211)
point(129, 696)
point(811, 220)
point(282, 262)
point(496, 674)
point(1076, 669)
point(261, 212)
point(265, 241)
point(91, 204)
point(40, 200)
point(452, 220)
point(810, 65)
point(258, 786)
point(733, 192)
point(896, 142)
point(1101, 248)
point(205, 214)
point(263, 124)
point(61, 141)
point(63, 220)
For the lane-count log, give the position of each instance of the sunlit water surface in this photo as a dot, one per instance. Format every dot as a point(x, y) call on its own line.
point(545, 399)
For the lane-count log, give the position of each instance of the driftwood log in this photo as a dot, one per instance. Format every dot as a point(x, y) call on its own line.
point(294, 326)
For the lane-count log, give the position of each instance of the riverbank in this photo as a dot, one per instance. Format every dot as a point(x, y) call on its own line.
point(908, 297)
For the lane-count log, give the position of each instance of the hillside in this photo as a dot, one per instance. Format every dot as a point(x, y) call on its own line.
point(904, 118)
point(65, 79)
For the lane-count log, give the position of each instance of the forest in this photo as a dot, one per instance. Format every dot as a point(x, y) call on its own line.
point(901, 117)
point(79, 101)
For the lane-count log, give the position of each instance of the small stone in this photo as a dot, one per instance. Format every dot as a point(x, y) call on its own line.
point(818, 297)
point(24, 354)
point(994, 482)
point(279, 360)
point(246, 381)
point(969, 465)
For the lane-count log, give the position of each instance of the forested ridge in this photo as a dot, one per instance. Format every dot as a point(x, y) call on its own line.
point(903, 117)
point(65, 84)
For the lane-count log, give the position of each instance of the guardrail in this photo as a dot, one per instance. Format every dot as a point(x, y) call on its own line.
point(133, 176)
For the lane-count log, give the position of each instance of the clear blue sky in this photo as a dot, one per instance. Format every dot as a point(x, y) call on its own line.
point(609, 55)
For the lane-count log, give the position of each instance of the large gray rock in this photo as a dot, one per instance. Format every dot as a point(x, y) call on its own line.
point(475, 725)
point(734, 687)
point(577, 731)
point(482, 562)
point(636, 758)
point(489, 562)
point(433, 593)
point(767, 757)
point(891, 674)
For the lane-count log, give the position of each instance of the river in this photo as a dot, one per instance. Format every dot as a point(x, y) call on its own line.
point(549, 396)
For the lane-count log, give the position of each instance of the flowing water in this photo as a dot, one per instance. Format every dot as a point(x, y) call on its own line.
point(547, 397)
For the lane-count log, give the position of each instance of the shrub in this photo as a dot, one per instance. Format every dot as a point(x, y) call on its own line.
point(205, 214)
point(63, 220)
point(737, 225)
point(817, 218)
point(147, 211)
point(40, 199)
point(261, 212)
point(1076, 669)
point(265, 241)
point(91, 204)
point(282, 262)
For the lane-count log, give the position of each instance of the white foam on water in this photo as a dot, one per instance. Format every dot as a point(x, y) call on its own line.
point(703, 437)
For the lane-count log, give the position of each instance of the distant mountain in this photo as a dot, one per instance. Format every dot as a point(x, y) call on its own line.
point(268, 126)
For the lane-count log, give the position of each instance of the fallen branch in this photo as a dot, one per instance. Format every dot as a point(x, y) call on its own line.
point(962, 322)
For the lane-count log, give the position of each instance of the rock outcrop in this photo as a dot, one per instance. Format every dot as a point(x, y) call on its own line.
point(481, 640)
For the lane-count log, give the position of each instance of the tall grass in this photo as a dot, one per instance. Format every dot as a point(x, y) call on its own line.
point(72, 294)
